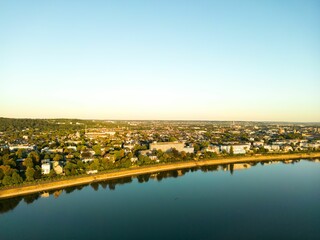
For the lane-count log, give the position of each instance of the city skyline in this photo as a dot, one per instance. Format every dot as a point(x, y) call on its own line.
point(168, 60)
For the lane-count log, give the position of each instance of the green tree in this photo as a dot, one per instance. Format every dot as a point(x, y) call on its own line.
point(57, 157)
point(21, 153)
point(172, 139)
point(34, 156)
point(231, 150)
point(196, 147)
point(7, 170)
point(7, 180)
point(52, 174)
point(95, 164)
point(1, 174)
point(119, 154)
point(204, 144)
point(28, 162)
point(16, 178)
point(97, 149)
point(30, 174)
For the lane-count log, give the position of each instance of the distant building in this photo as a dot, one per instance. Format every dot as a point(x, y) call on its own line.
point(258, 143)
point(21, 146)
point(45, 166)
point(49, 150)
point(237, 148)
point(213, 148)
point(272, 147)
point(168, 146)
point(74, 148)
point(85, 160)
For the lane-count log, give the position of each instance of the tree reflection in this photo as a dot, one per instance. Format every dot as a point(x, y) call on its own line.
point(104, 184)
point(31, 198)
point(143, 178)
point(231, 167)
point(70, 189)
point(9, 204)
point(95, 186)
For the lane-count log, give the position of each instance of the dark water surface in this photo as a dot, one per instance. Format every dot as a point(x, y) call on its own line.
point(274, 201)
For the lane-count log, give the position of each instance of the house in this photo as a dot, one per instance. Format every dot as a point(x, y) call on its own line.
point(74, 148)
point(153, 157)
point(45, 166)
point(22, 146)
point(92, 171)
point(85, 160)
point(258, 143)
point(272, 147)
point(55, 150)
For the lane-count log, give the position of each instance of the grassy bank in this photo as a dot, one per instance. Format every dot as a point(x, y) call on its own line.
point(46, 186)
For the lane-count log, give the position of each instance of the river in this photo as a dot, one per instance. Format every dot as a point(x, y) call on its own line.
point(278, 200)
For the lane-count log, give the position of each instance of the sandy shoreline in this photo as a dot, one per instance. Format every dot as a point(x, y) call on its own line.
point(40, 187)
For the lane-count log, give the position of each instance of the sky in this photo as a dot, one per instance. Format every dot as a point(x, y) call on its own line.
point(168, 60)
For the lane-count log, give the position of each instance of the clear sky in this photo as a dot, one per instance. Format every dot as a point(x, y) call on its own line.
point(203, 60)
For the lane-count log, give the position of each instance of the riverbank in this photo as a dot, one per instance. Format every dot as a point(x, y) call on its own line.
point(40, 187)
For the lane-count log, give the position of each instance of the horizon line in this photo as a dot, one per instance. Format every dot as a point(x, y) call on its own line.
point(163, 120)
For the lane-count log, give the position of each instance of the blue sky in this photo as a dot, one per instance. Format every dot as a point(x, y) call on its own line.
point(202, 60)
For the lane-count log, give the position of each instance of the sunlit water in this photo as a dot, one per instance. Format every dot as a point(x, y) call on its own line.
point(275, 201)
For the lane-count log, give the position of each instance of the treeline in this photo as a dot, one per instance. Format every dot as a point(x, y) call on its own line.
point(13, 124)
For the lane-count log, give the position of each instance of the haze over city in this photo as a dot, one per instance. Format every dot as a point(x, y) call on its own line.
point(191, 60)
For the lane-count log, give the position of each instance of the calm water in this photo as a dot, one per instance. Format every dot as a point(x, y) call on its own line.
point(279, 201)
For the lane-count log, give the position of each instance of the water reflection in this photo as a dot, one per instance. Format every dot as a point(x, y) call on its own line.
point(9, 204)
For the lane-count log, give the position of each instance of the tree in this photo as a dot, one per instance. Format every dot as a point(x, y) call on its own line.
point(204, 145)
point(231, 168)
point(52, 174)
point(21, 153)
point(1, 174)
point(28, 162)
point(97, 149)
point(231, 150)
point(30, 174)
point(9, 162)
point(7, 170)
point(196, 147)
point(119, 154)
point(16, 178)
point(34, 156)
point(94, 165)
point(172, 139)
point(57, 157)
point(7, 180)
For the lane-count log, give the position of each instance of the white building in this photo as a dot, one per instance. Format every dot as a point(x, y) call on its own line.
point(21, 146)
point(168, 146)
point(272, 147)
point(237, 148)
point(213, 148)
point(258, 143)
point(45, 166)
point(92, 171)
